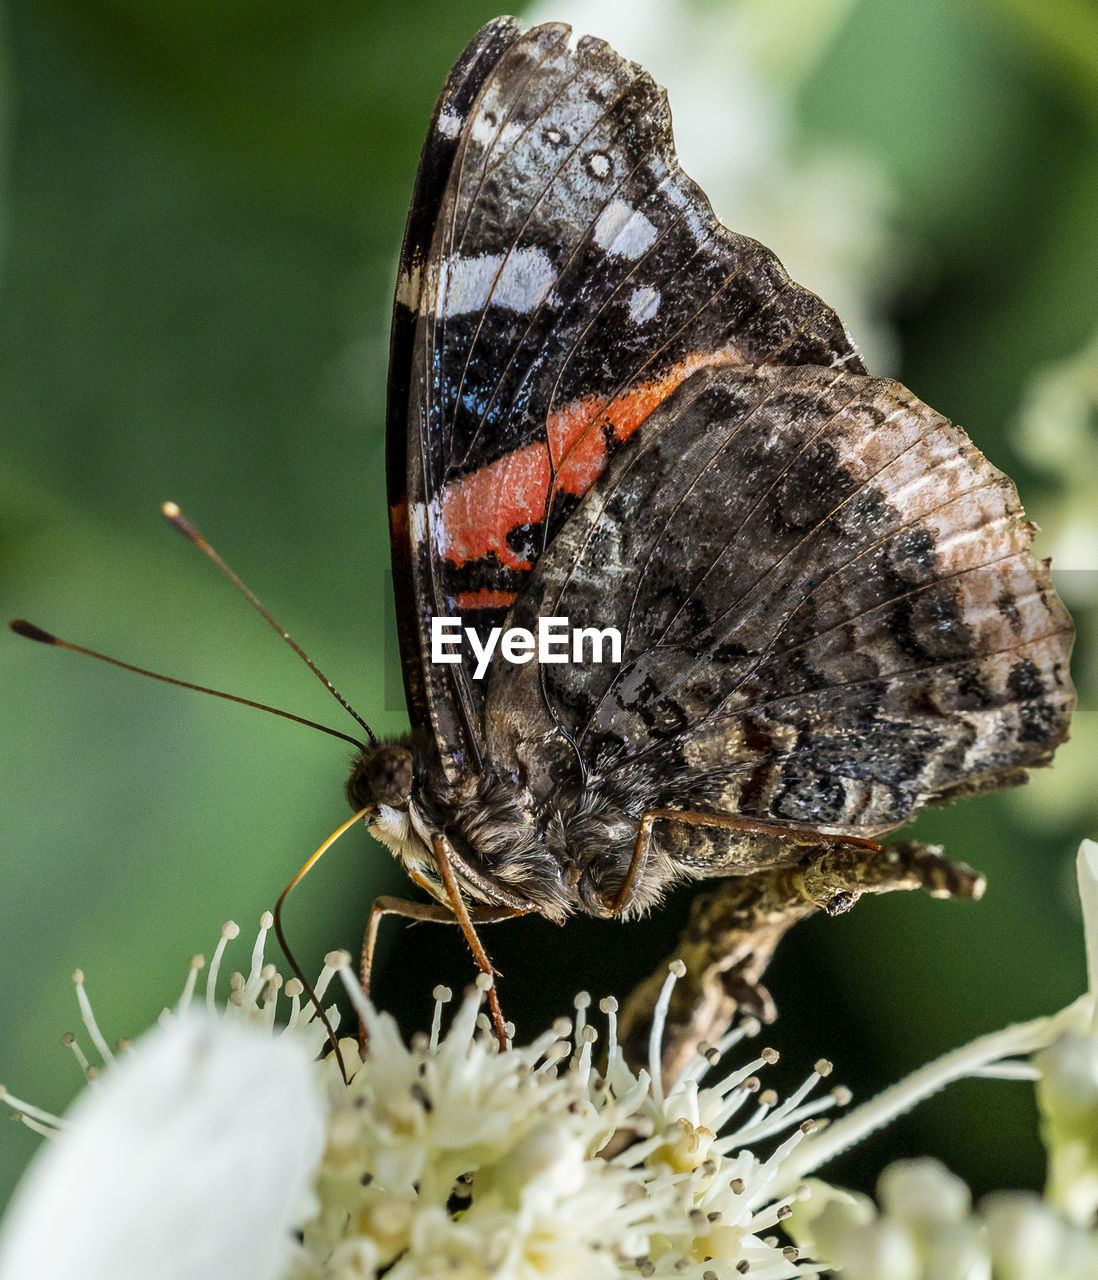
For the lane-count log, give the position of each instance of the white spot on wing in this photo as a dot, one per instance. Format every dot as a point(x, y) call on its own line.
point(428, 287)
point(489, 134)
point(440, 543)
point(418, 524)
point(518, 282)
point(408, 287)
point(623, 231)
point(449, 124)
point(598, 163)
point(644, 304)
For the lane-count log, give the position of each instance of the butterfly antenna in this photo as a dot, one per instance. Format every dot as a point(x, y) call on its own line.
point(281, 936)
point(192, 533)
point(31, 632)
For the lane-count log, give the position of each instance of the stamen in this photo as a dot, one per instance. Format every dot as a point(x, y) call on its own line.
point(581, 1004)
point(184, 1003)
point(738, 1087)
point(340, 962)
point(294, 989)
point(334, 962)
point(266, 923)
point(22, 1110)
point(787, 1113)
point(88, 1017)
point(586, 1038)
point(69, 1041)
point(443, 995)
point(464, 1023)
point(270, 996)
point(768, 1171)
point(775, 1212)
point(608, 1007)
point(811, 1110)
point(229, 930)
point(675, 970)
point(35, 1126)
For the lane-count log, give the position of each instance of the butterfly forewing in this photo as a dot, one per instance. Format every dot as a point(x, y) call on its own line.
point(575, 277)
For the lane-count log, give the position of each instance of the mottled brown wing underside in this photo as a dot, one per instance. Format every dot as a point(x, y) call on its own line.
point(831, 616)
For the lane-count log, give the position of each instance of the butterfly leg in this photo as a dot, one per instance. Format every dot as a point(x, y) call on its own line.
point(787, 837)
point(733, 931)
point(444, 861)
point(440, 914)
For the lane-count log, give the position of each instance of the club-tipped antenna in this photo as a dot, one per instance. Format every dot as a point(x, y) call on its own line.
point(192, 533)
point(31, 632)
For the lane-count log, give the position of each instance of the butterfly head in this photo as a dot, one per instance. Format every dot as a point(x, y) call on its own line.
point(382, 775)
point(381, 784)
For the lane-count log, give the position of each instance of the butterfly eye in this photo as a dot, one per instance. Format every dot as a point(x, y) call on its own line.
point(382, 775)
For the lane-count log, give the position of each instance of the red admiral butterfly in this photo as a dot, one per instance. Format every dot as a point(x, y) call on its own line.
point(604, 406)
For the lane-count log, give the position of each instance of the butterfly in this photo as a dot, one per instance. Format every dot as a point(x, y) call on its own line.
point(608, 409)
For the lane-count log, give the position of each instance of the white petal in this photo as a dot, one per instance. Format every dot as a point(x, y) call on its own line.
point(193, 1158)
point(1087, 869)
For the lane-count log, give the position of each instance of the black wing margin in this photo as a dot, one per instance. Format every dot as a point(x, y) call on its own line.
point(459, 92)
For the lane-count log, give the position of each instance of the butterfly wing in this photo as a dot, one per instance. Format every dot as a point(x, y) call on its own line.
point(829, 612)
point(560, 277)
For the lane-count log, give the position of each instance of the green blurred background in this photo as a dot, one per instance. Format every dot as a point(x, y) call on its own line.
point(202, 207)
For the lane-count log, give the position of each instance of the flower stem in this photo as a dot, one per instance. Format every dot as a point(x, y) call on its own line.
point(1023, 1038)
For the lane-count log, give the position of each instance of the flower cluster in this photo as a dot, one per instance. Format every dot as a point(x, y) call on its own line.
point(221, 1146)
point(450, 1158)
point(445, 1157)
point(926, 1227)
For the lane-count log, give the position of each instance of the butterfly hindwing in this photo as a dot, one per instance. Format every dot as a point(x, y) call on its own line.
point(829, 611)
point(572, 278)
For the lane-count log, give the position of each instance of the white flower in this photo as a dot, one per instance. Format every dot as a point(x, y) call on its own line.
point(1067, 1090)
point(213, 1147)
point(1008, 1054)
point(925, 1228)
point(451, 1158)
point(1028, 1240)
point(192, 1156)
point(191, 1153)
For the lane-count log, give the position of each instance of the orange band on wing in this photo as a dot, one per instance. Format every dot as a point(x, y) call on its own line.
point(485, 598)
point(480, 510)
